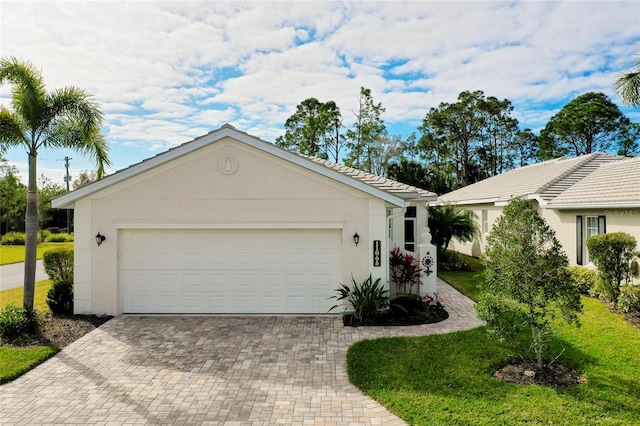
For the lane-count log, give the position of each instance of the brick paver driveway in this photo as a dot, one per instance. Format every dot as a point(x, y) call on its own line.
point(210, 370)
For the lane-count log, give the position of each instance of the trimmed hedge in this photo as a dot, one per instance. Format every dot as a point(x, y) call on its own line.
point(16, 321)
point(58, 264)
point(13, 239)
point(629, 300)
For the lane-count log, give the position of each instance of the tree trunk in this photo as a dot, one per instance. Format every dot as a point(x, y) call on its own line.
point(537, 345)
point(31, 228)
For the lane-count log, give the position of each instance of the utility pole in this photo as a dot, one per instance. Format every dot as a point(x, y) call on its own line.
point(67, 179)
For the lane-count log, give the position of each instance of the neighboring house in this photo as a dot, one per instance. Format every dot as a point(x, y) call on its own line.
point(229, 223)
point(579, 197)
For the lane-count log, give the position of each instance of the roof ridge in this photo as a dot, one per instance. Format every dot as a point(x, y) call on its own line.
point(570, 176)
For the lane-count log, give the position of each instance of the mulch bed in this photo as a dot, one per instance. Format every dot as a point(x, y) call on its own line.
point(526, 373)
point(428, 316)
point(60, 330)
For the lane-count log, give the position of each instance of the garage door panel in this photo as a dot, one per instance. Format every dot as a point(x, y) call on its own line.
point(228, 271)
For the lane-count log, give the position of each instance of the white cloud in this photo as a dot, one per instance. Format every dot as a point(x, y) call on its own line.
point(165, 71)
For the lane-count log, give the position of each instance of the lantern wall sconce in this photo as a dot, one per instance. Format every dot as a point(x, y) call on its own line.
point(100, 238)
point(356, 238)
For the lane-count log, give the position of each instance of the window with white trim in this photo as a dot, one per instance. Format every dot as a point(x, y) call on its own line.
point(485, 222)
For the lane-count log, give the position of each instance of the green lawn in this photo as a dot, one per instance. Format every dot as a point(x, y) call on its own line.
point(465, 282)
point(16, 361)
point(15, 254)
point(446, 380)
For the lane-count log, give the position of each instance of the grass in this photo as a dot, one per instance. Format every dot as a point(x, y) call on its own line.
point(15, 254)
point(16, 361)
point(446, 379)
point(465, 282)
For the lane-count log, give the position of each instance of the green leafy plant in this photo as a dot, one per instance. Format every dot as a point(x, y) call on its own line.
point(16, 321)
point(526, 278)
point(363, 301)
point(59, 238)
point(612, 254)
point(60, 298)
point(629, 300)
point(58, 264)
point(405, 270)
point(585, 280)
point(13, 239)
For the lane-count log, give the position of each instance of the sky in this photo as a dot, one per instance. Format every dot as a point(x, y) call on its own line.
point(167, 72)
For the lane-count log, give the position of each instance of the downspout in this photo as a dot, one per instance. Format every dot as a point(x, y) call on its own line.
point(390, 223)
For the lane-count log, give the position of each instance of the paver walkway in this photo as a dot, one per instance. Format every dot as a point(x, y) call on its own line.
point(227, 370)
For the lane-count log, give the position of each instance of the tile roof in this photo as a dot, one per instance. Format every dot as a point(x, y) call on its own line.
point(611, 184)
point(396, 188)
point(545, 181)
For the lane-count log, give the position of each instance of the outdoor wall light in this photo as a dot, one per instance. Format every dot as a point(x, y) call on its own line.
point(100, 238)
point(356, 238)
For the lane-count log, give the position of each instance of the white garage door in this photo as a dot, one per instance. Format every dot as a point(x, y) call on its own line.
point(228, 271)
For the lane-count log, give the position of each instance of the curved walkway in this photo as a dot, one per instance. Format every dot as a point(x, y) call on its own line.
point(256, 370)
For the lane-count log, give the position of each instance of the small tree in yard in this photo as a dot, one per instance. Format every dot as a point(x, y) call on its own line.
point(527, 282)
point(612, 254)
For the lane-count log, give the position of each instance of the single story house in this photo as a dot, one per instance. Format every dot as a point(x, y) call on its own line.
point(230, 223)
point(579, 197)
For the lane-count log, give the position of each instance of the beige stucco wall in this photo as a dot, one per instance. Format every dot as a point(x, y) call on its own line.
point(192, 192)
point(476, 247)
point(562, 221)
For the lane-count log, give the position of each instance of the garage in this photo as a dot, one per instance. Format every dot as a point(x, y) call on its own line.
point(252, 271)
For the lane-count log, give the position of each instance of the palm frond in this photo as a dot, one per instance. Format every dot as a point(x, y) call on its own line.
point(29, 90)
point(628, 87)
point(11, 130)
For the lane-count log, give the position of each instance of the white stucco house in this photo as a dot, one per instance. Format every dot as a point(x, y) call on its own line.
point(578, 196)
point(229, 223)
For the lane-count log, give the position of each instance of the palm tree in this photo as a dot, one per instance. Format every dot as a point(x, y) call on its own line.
point(448, 221)
point(63, 118)
point(628, 87)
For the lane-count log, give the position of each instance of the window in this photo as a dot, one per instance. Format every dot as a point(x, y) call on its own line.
point(485, 222)
point(595, 225)
point(410, 229)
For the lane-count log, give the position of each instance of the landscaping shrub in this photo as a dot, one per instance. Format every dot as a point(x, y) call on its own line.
point(585, 280)
point(43, 234)
point(13, 239)
point(59, 238)
point(406, 304)
point(16, 321)
point(58, 264)
point(365, 300)
point(612, 254)
point(527, 283)
point(60, 298)
point(629, 300)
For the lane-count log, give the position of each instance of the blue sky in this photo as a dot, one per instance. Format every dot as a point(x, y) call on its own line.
point(168, 72)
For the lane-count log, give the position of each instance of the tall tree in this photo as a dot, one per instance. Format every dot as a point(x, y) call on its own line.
point(64, 118)
point(628, 87)
point(471, 138)
point(85, 178)
point(628, 145)
point(525, 148)
point(367, 138)
point(13, 199)
point(314, 129)
point(589, 123)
